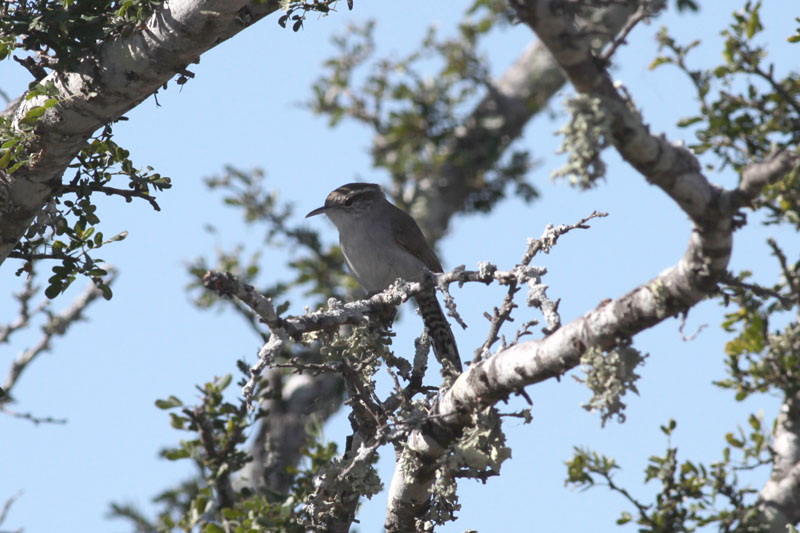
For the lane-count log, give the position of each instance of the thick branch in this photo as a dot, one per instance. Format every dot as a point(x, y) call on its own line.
point(531, 362)
point(117, 77)
point(756, 175)
point(673, 169)
point(779, 500)
point(301, 401)
point(511, 102)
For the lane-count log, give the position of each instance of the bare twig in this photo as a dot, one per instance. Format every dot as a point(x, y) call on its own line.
point(7, 506)
point(338, 314)
point(25, 313)
point(788, 273)
point(31, 417)
point(58, 324)
point(641, 13)
point(694, 335)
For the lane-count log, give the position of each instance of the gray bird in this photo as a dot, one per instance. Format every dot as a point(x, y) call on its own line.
point(381, 243)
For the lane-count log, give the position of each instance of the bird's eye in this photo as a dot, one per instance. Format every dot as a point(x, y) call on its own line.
point(348, 202)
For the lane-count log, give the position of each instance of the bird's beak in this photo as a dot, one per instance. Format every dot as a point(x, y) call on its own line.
point(317, 211)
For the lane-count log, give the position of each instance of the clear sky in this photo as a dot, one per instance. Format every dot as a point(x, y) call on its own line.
point(242, 108)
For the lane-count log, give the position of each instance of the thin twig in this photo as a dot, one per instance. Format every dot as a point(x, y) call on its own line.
point(7, 505)
point(128, 194)
point(58, 324)
point(732, 281)
point(639, 15)
point(31, 417)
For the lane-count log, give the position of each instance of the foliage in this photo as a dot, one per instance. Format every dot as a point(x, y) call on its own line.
point(297, 10)
point(57, 34)
point(16, 140)
point(747, 109)
point(758, 360)
point(61, 32)
point(212, 502)
point(65, 230)
point(415, 113)
point(691, 495)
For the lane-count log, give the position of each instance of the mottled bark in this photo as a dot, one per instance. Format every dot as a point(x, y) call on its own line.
point(779, 500)
point(300, 402)
point(510, 103)
point(120, 74)
point(677, 172)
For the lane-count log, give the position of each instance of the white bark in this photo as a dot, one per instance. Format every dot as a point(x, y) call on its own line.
point(673, 169)
point(779, 500)
point(497, 121)
point(120, 74)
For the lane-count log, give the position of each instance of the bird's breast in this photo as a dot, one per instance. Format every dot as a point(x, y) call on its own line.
point(376, 260)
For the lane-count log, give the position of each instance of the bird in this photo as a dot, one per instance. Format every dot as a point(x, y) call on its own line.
point(381, 243)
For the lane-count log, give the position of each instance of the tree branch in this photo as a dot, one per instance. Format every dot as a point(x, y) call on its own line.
point(117, 77)
point(292, 404)
point(673, 169)
point(779, 500)
point(511, 102)
point(7, 507)
point(58, 324)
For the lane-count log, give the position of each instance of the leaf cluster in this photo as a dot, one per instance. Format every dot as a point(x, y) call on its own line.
point(64, 31)
point(691, 495)
point(66, 229)
point(296, 11)
point(16, 139)
point(418, 106)
point(317, 269)
point(747, 109)
point(759, 360)
point(211, 502)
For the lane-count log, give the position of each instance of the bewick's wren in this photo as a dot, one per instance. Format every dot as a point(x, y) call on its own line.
point(381, 243)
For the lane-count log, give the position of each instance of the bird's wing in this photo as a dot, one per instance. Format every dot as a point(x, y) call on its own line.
point(410, 237)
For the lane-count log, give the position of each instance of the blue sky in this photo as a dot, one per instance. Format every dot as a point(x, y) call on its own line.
point(242, 108)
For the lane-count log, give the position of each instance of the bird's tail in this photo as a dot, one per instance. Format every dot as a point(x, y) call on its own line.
point(444, 344)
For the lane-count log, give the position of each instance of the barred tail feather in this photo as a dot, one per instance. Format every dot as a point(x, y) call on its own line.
point(444, 344)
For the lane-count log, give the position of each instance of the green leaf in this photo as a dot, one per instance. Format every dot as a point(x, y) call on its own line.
point(754, 22)
point(755, 423)
point(5, 159)
point(688, 121)
point(225, 381)
point(660, 60)
point(9, 144)
point(107, 293)
point(733, 441)
point(174, 455)
point(54, 289)
point(169, 403)
point(33, 114)
point(177, 422)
